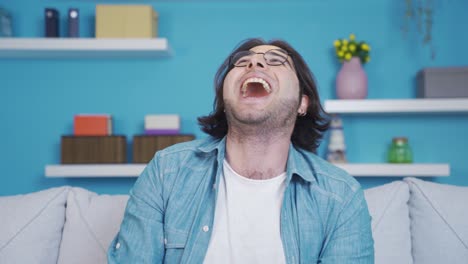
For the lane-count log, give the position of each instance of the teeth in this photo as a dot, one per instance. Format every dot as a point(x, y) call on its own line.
point(266, 86)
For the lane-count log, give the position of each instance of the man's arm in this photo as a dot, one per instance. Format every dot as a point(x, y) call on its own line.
point(141, 235)
point(351, 240)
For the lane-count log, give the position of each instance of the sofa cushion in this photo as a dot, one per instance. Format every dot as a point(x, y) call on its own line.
point(92, 221)
point(388, 207)
point(439, 222)
point(31, 226)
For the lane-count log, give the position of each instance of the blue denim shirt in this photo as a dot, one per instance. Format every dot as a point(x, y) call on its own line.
point(169, 216)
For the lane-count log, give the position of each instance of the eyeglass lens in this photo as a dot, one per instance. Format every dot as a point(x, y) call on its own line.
point(272, 57)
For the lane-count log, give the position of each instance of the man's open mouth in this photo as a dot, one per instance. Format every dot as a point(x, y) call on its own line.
point(255, 87)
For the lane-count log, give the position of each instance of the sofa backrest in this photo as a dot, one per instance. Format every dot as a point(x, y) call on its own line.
point(91, 222)
point(388, 207)
point(439, 222)
point(413, 221)
point(31, 226)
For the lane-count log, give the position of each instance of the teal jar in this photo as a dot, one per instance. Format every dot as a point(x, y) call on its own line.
point(400, 151)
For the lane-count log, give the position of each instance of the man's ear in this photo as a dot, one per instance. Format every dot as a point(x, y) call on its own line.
point(303, 105)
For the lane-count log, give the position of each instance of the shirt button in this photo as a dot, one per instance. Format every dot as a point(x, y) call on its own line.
point(206, 229)
point(117, 246)
point(165, 241)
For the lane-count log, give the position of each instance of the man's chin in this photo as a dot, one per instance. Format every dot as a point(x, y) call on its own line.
point(248, 117)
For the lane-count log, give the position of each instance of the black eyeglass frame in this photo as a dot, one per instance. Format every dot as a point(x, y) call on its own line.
point(288, 54)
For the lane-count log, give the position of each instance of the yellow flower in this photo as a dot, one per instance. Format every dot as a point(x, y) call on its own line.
point(348, 56)
point(337, 43)
point(365, 47)
point(347, 48)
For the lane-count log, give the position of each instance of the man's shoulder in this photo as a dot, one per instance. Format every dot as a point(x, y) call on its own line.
point(330, 178)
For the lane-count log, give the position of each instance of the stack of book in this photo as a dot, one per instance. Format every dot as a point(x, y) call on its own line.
point(93, 142)
point(161, 131)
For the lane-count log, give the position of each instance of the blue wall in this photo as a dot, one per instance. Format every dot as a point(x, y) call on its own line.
point(39, 97)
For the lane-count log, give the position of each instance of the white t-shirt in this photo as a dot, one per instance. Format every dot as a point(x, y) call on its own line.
point(247, 220)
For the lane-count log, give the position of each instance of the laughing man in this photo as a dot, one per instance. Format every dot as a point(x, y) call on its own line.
point(253, 191)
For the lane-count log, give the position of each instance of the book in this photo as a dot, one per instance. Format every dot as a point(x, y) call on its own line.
point(162, 131)
point(92, 125)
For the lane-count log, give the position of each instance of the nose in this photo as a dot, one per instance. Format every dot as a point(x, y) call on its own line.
point(256, 61)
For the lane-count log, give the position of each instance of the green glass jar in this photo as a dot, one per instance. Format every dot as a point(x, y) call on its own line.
point(400, 151)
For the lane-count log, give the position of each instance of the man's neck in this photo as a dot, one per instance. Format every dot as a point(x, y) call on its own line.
point(258, 156)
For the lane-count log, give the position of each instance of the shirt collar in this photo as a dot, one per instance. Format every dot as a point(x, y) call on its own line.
point(299, 165)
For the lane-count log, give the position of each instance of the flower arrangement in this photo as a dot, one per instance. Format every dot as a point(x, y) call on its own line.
point(345, 49)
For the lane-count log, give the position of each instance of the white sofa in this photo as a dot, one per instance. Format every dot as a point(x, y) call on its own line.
point(413, 221)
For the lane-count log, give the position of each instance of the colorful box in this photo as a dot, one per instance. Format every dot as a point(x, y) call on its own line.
point(162, 124)
point(126, 21)
point(92, 125)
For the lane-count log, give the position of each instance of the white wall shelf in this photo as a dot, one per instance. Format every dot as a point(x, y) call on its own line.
point(56, 48)
point(391, 170)
point(397, 106)
point(94, 170)
point(357, 170)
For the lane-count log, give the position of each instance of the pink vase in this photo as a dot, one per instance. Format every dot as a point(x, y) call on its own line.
point(351, 81)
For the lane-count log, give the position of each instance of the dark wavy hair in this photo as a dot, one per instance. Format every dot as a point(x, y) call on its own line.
point(308, 129)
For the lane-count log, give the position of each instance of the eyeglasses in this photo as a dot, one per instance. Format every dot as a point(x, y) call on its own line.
point(273, 57)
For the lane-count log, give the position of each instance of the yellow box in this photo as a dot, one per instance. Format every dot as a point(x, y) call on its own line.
point(126, 21)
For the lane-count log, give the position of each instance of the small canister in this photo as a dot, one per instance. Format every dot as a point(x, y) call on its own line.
point(400, 151)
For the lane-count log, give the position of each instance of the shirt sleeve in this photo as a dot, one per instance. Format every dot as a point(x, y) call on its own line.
point(350, 242)
point(141, 235)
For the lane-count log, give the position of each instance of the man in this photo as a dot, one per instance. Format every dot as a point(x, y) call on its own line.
point(253, 192)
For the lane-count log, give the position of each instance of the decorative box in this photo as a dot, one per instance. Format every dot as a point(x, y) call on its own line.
point(447, 82)
point(145, 146)
point(92, 125)
point(93, 149)
point(126, 21)
point(162, 124)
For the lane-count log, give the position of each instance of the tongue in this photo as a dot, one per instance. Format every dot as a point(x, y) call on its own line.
point(256, 90)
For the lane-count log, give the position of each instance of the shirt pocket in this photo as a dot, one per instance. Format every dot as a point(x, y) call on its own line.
point(174, 243)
